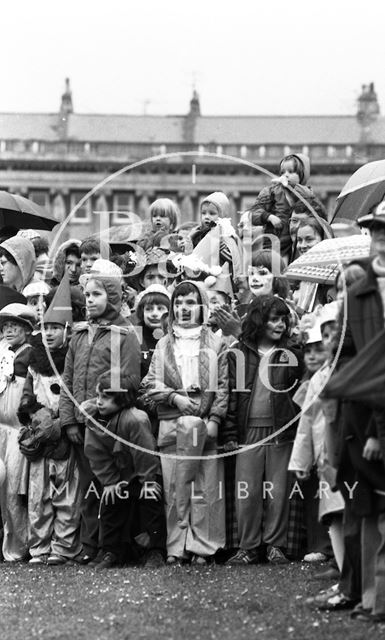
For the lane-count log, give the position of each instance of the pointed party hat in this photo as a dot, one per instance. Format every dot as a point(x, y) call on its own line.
point(60, 309)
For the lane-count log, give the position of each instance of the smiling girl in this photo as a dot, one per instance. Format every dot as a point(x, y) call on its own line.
point(272, 370)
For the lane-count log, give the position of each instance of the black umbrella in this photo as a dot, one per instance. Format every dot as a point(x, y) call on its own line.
point(17, 211)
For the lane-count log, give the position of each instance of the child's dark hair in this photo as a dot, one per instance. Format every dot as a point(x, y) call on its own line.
point(315, 225)
point(5, 254)
point(94, 245)
point(184, 289)
point(258, 313)
point(124, 397)
point(264, 258)
point(298, 166)
point(151, 298)
point(300, 207)
point(72, 250)
point(41, 245)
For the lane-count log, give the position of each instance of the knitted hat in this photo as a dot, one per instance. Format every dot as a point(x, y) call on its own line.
point(19, 313)
point(153, 288)
point(220, 201)
point(60, 309)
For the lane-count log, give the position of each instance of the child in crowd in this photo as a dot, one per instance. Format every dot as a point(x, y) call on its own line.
point(67, 259)
point(187, 383)
point(90, 250)
point(314, 355)
point(262, 416)
point(215, 213)
point(164, 215)
point(106, 342)
point(53, 483)
point(152, 307)
point(36, 293)
point(16, 325)
point(128, 469)
point(274, 203)
point(310, 443)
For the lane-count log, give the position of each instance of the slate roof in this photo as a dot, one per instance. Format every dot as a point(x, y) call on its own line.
point(226, 130)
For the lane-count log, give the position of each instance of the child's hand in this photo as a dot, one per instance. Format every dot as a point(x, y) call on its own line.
point(275, 221)
point(74, 434)
point(186, 405)
point(212, 429)
point(372, 449)
point(109, 493)
point(302, 475)
point(232, 445)
point(229, 322)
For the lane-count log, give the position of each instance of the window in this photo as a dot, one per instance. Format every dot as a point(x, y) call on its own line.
point(305, 149)
point(87, 147)
point(123, 203)
point(84, 213)
point(243, 151)
point(35, 147)
point(219, 149)
point(262, 151)
point(40, 197)
point(349, 151)
point(3, 146)
point(331, 151)
point(162, 149)
point(286, 150)
point(201, 148)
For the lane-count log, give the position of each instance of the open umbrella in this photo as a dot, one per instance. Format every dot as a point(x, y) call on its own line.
point(364, 189)
point(322, 262)
point(17, 211)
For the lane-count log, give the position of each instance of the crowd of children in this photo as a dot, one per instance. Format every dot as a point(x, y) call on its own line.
point(171, 400)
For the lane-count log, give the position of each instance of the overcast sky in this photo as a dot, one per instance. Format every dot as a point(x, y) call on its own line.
point(247, 56)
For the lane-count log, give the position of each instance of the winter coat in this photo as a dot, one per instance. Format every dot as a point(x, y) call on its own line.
point(284, 378)
point(89, 355)
point(113, 461)
point(42, 390)
point(358, 422)
point(310, 446)
point(164, 380)
point(23, 252)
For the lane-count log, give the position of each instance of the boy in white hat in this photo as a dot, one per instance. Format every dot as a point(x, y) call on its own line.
point(16, 325)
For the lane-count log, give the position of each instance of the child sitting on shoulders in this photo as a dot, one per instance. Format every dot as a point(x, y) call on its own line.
point(274, 203)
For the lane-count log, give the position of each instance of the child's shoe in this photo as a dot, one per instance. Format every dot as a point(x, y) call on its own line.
point(315, 557)
point(56, 560)
point(39, 560)
point(108, 561)
point(154, 559)
point(244, 556)
point(276, 556)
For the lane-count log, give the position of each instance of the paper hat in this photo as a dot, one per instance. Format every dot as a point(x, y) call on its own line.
point(153, 288)
point(60, 309)
point(38, 288)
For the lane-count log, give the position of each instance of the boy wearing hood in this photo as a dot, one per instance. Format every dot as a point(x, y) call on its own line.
point(106, 342)
point(187, 385)
point(17, 262)
point(274, 204)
